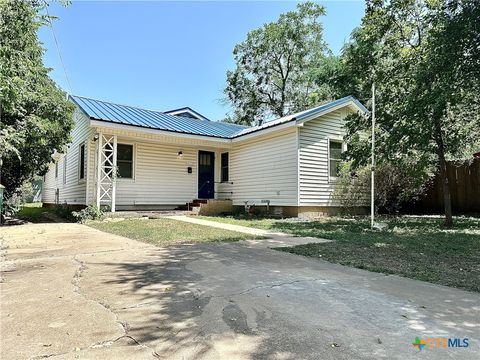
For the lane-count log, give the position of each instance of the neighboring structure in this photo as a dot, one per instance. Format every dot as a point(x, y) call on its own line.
point(132, 158)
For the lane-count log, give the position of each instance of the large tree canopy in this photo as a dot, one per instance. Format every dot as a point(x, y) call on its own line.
point(276, 66)
point(424, 59)
point(35, 116)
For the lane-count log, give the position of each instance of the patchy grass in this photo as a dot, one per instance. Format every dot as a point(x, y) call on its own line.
point(164, 232)
point(415, 247)
point(35, 213)
point(32, 212)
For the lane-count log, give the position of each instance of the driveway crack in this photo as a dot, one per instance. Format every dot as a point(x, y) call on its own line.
point(271, 286)
point(124, 325)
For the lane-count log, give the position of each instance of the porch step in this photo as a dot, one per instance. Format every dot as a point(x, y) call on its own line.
point(192, 205)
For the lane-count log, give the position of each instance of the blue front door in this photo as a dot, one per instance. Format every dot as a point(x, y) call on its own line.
point(206, 175)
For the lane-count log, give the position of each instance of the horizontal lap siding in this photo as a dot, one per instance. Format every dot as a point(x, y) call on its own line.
point(49, 186)
point(161, 176)
point(314, 185)
point(265, 169)
point(73, 192)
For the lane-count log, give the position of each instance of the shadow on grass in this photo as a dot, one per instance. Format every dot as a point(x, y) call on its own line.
point(416, 248)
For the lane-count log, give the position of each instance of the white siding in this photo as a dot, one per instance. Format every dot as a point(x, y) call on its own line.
point(264, 169)
point(315, 186)
point(49, 186)
point(73, 190)
point(160, 176)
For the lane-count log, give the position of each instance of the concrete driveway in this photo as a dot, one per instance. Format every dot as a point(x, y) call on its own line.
point(72, 292)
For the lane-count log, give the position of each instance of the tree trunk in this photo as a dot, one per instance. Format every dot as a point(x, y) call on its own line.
point(447, 201)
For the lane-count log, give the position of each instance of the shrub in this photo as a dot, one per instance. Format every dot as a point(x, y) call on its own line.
point(91, 212)
point(353, 188)
point(12, 204)
point(395, 184)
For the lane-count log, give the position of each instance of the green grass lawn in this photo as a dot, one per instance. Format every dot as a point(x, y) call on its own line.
point(164, 232)
point(414, 247)
point(32, 212)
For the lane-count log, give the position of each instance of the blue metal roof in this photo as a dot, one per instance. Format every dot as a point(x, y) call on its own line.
point(329, 105)
point(133, 116)
point(302, 115)
point(129, 115)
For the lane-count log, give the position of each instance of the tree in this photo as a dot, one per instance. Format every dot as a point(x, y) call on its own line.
point(275, 67)
point(36, 117)
point(424, 59)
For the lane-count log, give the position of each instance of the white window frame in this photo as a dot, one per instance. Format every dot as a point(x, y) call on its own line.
point(228, 167)
point(134, 161)
point(56, 169)
point(84, 144)
point(344, 148)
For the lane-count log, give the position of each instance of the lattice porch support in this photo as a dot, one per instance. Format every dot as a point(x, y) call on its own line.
point(106, 170)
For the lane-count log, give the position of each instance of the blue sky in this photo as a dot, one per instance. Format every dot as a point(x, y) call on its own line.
point(165, 55)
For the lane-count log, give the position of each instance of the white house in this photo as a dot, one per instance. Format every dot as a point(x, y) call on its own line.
point(132, 158)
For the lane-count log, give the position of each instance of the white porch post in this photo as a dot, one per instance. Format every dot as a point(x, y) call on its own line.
point(106, 170)
point(99, 166)
point(114, 173)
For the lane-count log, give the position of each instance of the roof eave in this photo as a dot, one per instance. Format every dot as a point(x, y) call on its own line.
point(352, 102)
point(263, 131)
point(109, 124)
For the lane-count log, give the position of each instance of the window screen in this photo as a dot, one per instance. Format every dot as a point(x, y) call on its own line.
point(125, 161)
point(224, 167)
point(335, 156)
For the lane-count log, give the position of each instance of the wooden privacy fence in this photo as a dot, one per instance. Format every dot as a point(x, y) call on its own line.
point(464, 181)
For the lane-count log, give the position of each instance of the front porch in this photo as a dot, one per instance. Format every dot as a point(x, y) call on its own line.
point(144, 170)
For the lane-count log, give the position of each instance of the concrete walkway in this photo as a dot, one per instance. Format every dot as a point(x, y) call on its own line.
point(71, 292)
point(273, 239)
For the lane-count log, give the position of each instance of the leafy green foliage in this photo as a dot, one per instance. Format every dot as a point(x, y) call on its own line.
point(424, 57)
point(395, 184)
point(64, 211)
point(275, 67)
point(91, 212)
point(36, 118)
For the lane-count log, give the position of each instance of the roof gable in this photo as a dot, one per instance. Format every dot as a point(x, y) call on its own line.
point(187, 112)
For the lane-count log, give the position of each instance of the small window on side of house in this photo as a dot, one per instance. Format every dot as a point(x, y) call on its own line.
point(56, 169)
point(224, 167)
point(125, 161)
point(81, 162)
point(335, 149)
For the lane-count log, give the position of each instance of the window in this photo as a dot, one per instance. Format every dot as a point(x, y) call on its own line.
point(125, 161)
point(335, 157)
point(65, 169)
point(204, 159)
point(56, 169)
point(81, 162)
point(224, 167)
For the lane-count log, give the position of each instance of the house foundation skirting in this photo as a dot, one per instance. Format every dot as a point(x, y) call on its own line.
point(306, 212)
